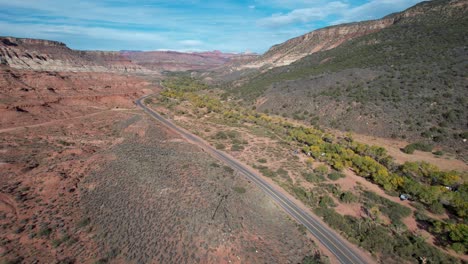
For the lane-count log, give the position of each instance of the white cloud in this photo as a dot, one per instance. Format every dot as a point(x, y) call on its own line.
point(88, 10)
point(374, 9)
point(221, 25)
point(80, 33)
point(341, 11)
point(303, 15)
point(191, 42)
point(291, 4)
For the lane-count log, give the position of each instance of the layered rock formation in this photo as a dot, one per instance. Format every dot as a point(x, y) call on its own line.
point(318, 40)
point(45, 55)
point(332, 37)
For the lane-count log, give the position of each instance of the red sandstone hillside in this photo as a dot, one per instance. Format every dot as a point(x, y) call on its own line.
point(46, 55)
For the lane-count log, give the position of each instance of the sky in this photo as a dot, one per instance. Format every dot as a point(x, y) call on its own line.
point(182, 25)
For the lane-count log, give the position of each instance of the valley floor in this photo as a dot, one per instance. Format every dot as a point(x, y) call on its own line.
point(112, 185)
point(348, 197)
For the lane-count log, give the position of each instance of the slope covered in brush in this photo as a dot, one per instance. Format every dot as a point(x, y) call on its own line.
point(407, 80)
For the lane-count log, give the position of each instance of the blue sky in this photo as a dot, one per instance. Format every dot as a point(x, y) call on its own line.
point(184, 25)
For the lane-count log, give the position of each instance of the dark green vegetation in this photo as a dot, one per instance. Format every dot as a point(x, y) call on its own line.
point(424, 183)
point(391, 246)
point(407, 80)
point(409, 149)
point(335, 176)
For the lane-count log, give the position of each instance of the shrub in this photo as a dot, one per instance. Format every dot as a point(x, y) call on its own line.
point(17, 260)
point(282, 172)
point(56, 243)
point(458, 247)
point(220, 135)
point(409, 149)
point(302, 229)
point(262, 160)
point(327, 201)
point(321, 170)
point(65, 143)
point(220, 146)
point(335, 175)
point(148, 101)
point(312, 260)
point(232, 134)
point(348, 197)
point(236, 141)
point(395, 211)
point(83, 222)
point(312, 177)
point(437, 208)
point(45, 232)
point(239, 189)
point(266, 171)
point(228, 169)
point(236, 147)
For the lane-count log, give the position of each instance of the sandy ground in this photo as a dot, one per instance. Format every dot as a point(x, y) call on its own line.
point(88, 178)
point(393, 147)
point(39, 196)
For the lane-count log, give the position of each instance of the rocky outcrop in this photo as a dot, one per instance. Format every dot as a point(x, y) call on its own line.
point(46, 55)
point(318, 40)
point(331, 37)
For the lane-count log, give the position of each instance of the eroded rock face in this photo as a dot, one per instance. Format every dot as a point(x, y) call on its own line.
point(315, 41)
point(46, 55)
point(331, 37)
point(28, 97)
point(299, 47)
point(320, 40)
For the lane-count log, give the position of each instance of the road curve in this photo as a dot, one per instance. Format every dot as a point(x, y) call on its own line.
point(336, 244)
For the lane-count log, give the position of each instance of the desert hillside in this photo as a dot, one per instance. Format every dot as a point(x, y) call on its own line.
point(406, 80)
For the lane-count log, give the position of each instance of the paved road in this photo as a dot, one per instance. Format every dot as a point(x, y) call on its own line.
point(332, 241)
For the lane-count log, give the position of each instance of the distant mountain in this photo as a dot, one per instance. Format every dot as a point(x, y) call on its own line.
point(297, 48)
point(46, 55)
point(402, 76)
point(318, 40)
point(181, 61)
